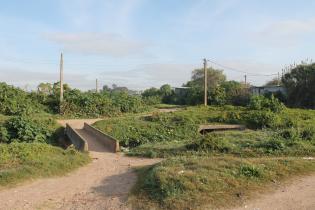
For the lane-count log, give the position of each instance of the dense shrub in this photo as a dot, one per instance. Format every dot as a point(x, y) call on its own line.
point(261, 119)
point(26, 129)
point(91, 104)
point(308, 133)
point(16, 101)
point(128, 103)
point(272, 145)
point(152, 100)
point(289, 134)
point(212, 143)
point(259, 102)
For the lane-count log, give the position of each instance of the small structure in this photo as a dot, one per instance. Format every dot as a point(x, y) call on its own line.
point(267, 89)
point(180, 91)
point(210, 128)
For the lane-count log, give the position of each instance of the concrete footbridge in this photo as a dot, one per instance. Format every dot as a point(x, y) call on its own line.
point(85, 137)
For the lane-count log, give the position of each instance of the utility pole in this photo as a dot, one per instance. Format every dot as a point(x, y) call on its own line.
point(245, 76)
point(278, 78)
point(61, 81)
point(205, 82)
point(96, 86)
point(61, 77)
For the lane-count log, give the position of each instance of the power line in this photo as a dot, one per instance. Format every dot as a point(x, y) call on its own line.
point(240, 71)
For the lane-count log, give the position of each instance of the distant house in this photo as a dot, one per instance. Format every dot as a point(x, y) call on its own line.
point(180, 91)
point(267, 89)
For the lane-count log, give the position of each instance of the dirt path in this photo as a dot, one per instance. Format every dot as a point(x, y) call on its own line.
point(299, 195)
point(103, 184)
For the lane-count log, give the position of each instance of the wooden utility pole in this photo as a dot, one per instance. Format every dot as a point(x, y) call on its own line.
point(245, 76)
point(205, 82)
point(278, 78)
point(61, 80)
point(96, 86)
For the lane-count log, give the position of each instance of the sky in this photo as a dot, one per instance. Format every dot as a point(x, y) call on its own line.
point(147, 43)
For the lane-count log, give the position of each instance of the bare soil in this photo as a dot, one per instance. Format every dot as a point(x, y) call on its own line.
point(298, 195)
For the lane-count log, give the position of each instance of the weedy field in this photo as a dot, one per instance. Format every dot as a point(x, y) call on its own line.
point(22, 161)
point(217, 169)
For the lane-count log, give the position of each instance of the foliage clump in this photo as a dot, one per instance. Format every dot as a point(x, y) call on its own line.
point(272, 104)
point(27, 129)
point(14, 101)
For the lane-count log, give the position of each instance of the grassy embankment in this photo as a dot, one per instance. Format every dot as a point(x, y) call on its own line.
point(218, 169)
point(27, 151)
point(23, 161)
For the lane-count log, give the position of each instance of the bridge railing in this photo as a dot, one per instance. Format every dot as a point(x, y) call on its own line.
point(110, 142)
point(76, 139)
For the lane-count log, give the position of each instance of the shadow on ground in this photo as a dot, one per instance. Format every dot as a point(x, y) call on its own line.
point(117, 185)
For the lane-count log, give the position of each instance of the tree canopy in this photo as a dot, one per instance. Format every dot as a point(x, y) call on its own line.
point(214, 78)
point(300, 86)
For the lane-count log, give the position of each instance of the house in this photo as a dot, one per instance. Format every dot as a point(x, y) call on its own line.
point(180, 91)
point(262, 90)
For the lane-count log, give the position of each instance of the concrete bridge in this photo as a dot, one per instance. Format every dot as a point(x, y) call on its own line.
point(85, 137)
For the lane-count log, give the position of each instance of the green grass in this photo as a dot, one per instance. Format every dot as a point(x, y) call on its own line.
point(24, 161)
point(3, 118)
point(196, 182)
point(221, 168)
point(160, 127)
point(167, 106)
point(247, 143)
point(169, 134)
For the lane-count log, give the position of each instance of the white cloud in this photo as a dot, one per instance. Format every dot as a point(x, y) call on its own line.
point(24, 77)
point(97, 43)
point(285, 33)
point(150, 75)
point(142, 77)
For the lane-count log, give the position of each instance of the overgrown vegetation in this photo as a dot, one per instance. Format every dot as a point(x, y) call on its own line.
point(14, 101)
point(299, 83)
point(27, 135)
point(201, 182)
point(220, 91)
point(216, 169)
point(42, 129)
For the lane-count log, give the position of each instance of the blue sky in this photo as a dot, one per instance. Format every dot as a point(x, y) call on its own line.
point(144, 43)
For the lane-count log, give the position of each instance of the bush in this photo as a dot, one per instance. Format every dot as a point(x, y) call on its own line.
point(212, 143)
point(15, 101)
point(250, 171)
point(289, 134)
point(308, 133)
point(258, 102)
point(25, 129)
point(261, 119)
point(152, 100)
point(272, 145)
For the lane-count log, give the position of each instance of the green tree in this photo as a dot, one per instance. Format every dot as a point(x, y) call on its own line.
point(217, 96)
point(236, 93)
point(300, 86)
point(167, 93)
point(151, 92)
point(44, 88)
point(214, 78)
point(273, 82)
